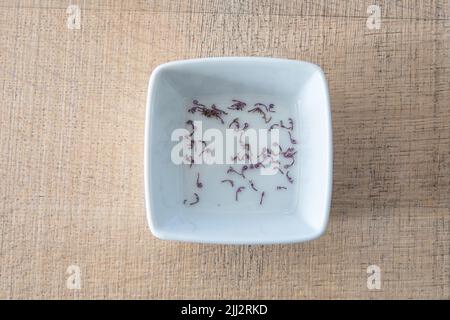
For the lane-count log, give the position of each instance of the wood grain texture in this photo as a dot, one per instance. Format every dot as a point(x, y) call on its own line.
point(71, 148)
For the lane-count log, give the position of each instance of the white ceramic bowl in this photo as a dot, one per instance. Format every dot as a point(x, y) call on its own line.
point(299, 214)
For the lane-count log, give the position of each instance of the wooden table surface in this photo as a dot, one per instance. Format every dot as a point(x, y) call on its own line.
point(71, 148)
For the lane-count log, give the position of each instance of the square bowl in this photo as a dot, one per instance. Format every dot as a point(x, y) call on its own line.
point(298, 213)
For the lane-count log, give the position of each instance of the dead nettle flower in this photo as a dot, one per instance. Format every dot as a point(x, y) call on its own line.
point(286, 166)
point(259, 165)
point(229, 181)
point(190, 160)
point(204, 146)
point(269, 151)
point(189, 141)
point(237, 105)
point(263, 153)
point(232, 170)
point(267, 159)
point(214, 112)
point(262, 197)
point(199, 184)
point(243, 169)
point(196, 105)
point(281, 149)
point(243, 143)
point(291, 124)
point(247, 151)
point(275, 145)
point(281, 125)
point(235, 122)
point(191, 123)
point(243, 157)
point(273, 126)
point(268, 108)
point(266, 156)
point(239, 190)
point(256, 165)
point(195, 201)
point(220, 111)
point(252, 185)
point(281, 188)
point(289, 153)
point(293, 141)
point(246, 156)
point(207, 150)
point(275, 162)
point(289, 178)
point(260, 111)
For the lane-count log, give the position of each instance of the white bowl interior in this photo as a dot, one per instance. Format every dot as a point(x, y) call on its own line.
point(299, 90)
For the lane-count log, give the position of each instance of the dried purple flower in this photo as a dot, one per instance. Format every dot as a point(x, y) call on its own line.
point(220, 111)
point(235, 122)
point(229, 181)
point(239, 190)
point(199, 184)
point(291, 124)
point(262, 197)
point(260, 111)
point(214, 112)
point(191, 123)
point(190, 160)
point(293, 141)
point(289, 178)
point(259, 165)
point(237, 105)
point(252, 185)
point(196, 103)
point(197, 199)
point(268, 109)
point(286, 166)
point(243, 169)
point(289, 153)
point(232, 170)
point(274, 126)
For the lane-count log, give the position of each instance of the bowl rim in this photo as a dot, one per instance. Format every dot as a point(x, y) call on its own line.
point(157, 232)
